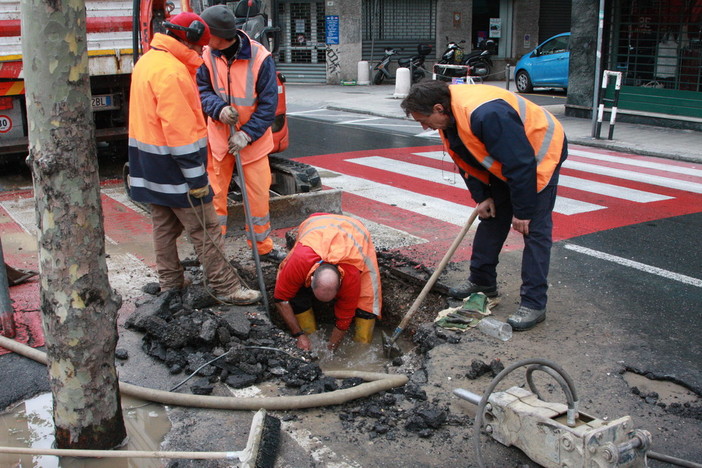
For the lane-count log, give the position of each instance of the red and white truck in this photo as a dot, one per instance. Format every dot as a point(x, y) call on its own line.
point(117, 33)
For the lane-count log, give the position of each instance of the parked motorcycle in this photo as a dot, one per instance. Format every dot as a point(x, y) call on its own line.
point(415, 64)
point(453, 55)
point(479, 59)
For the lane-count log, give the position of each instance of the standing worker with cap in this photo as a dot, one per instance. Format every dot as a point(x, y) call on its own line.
point(168, 155)
point(333, 260)
point(239, 94)
point(509, 150)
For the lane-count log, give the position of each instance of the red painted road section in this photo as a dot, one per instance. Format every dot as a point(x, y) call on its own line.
point(130, 228)
point(617, 213)
point(25, 297)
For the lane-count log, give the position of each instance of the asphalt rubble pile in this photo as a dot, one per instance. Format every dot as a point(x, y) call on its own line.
point(212, 344)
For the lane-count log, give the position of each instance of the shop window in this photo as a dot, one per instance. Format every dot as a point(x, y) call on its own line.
point(658, 44)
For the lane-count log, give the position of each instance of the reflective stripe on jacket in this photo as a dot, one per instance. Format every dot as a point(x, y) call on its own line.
point(543, 130)
point(341, 239)
point(167, 131)
point(235, 84)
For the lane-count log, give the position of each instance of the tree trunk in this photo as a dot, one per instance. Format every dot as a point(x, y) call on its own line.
point(78, 305)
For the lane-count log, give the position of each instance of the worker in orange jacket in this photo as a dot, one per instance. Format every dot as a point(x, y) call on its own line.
point(333, 260)
point(239, 94)
point(167, 159)
point(509, 151)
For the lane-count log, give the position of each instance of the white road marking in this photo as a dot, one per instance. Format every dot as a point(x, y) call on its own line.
point(317, 450)
point(566, 206)
point(122, 267)
point(609, 190)
point(364, 120)
point(636, 265)
point(425, 205)
point(637, 162)
point(676, 184)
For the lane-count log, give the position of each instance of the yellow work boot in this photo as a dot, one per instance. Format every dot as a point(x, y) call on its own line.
point(363, 329)
point(307, 321)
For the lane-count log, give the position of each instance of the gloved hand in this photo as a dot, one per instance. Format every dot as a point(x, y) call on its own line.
point(229, 116)
point(200, 192)
point(238, 141)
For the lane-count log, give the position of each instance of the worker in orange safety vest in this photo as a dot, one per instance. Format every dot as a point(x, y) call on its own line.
point(239, 94)
point(333, 259)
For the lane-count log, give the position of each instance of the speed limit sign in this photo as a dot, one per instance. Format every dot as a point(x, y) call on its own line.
point(5, 124)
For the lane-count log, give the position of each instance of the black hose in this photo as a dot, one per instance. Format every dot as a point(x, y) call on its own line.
point(136, 13)
point(672, 460)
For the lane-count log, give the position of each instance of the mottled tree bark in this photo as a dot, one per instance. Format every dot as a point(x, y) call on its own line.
point(78, 305)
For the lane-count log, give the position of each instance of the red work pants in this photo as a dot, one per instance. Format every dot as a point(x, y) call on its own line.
point(257, 176)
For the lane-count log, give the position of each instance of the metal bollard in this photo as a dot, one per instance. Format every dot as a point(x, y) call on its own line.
point(508, 76)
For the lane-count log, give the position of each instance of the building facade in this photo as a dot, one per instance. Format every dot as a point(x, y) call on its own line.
point(655, 44)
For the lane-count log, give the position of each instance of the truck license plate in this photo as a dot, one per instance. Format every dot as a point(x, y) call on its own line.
point(103, 102)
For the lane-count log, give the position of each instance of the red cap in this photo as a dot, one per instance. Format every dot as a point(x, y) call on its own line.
point(195, 30)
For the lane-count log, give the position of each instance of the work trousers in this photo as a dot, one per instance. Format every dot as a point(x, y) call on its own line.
point(492, 233)
point(168, 224)
point(257, 177)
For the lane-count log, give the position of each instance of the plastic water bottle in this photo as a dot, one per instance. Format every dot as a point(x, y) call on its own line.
point(495, 328)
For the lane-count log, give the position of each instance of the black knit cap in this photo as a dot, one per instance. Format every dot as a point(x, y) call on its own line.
point(221, 21)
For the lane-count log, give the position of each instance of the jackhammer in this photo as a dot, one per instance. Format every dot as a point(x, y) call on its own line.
point(554, 435)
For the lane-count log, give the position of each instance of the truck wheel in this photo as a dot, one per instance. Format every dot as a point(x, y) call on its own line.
point(379, 78)
point(523, 82)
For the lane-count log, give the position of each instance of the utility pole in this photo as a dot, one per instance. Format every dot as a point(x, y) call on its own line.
point(79, 307)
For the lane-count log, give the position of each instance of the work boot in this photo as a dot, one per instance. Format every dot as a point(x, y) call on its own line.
point(466, 289)
point(274, 255)
point(525, 318)
point(241, 296)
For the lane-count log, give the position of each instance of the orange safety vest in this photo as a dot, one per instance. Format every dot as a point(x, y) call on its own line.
point(543, 130)
point(242, 95)
point(341, 239)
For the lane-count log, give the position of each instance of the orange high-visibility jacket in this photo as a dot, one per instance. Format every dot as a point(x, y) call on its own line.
point(236, 85)
point(167, 132)
point(341, 239)
point(543, 130)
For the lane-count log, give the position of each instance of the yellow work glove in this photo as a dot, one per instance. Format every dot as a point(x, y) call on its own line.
point(238, 141)
point(229, 116)
point(200, 192)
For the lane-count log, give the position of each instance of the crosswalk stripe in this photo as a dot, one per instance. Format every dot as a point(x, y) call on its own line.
point(432, 207)
point(564, 205)
point(610, 190)
point(667, 166)
point(614, 191)
point(635, 176)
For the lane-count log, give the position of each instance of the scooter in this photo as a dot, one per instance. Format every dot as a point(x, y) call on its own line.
point(479, 59)
point(415, 63)
point(453, 55)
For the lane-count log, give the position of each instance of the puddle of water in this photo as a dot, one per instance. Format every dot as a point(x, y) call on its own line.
point(30, 424)
point(668, 392)
point(351, 355)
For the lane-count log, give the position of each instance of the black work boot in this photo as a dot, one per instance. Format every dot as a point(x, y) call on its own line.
point(466, 289)
point(525, 318)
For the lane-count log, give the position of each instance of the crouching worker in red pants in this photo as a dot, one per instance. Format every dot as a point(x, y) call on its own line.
point(333, 260)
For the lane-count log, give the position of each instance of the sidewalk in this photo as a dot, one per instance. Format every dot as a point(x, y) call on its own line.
point(683, 145)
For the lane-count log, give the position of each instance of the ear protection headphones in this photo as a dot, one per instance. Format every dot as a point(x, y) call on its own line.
point(193, 33)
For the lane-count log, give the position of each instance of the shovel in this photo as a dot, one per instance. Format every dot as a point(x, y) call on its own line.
point(389, 347)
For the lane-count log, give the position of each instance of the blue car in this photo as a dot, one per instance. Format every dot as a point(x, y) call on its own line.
point(546, 66)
